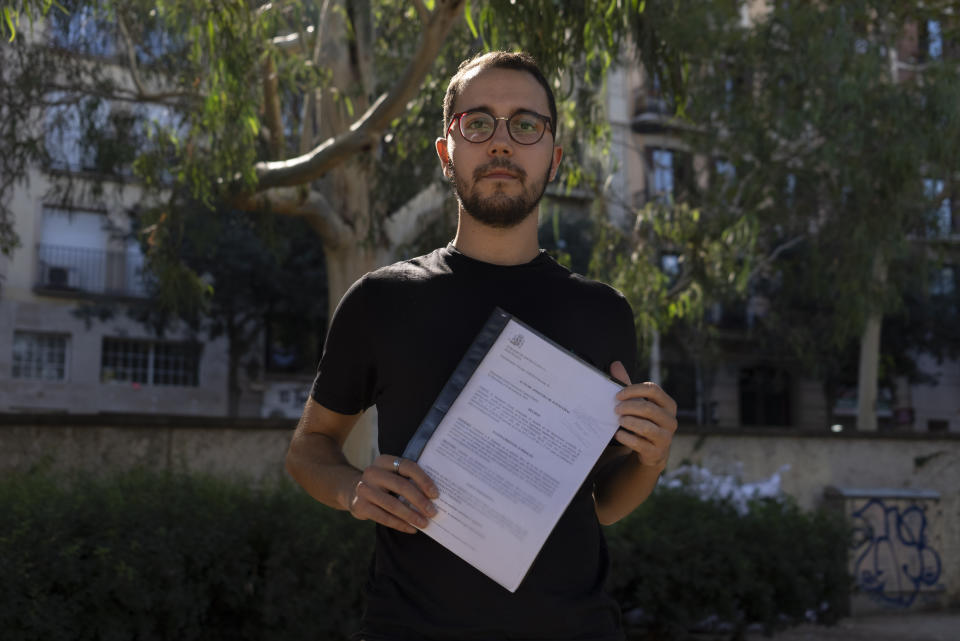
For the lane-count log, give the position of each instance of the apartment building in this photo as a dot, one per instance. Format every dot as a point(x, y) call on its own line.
point(744, 388)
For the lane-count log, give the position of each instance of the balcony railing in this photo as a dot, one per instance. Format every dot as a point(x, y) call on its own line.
point(90, 271)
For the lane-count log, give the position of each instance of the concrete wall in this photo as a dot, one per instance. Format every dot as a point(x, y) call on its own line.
point(902, 491)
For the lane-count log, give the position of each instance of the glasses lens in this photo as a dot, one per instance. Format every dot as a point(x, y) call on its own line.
point(526, 128)
point(477, 126)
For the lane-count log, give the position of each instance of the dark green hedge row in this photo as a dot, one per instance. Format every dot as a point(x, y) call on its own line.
point(682, 563)
point(148, 556)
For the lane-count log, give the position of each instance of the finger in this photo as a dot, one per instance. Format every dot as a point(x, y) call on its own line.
point(391, 504)
point(379, 515)
point(651, 392)
point(648, 410)
point(649, 453)
point(619, 372)
point(402, 487)
point(415, 473)
point(644, 429)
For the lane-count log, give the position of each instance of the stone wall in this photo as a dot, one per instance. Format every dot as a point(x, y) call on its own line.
point(900, 492)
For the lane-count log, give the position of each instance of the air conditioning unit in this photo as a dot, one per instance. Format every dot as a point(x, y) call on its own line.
point(284, 399)
point(58, 277)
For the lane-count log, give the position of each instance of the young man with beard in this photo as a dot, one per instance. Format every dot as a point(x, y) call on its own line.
point(400, 331)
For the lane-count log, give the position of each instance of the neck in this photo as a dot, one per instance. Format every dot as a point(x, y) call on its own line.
point(513, 246)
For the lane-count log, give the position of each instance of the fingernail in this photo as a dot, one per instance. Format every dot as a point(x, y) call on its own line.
point(432, 509)
point(433, 492)
point(422, 522)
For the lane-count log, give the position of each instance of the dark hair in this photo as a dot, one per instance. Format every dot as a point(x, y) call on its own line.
point(515, 60)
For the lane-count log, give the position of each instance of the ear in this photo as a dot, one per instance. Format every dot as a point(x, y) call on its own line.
point(555, 164)
point(444, 156)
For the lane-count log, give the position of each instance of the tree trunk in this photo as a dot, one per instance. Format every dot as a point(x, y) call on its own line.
point(233, 363)
point(867, 374)
point(870, 358)
point(344, 266)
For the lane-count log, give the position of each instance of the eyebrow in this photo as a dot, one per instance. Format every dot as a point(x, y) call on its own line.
point(487, 109)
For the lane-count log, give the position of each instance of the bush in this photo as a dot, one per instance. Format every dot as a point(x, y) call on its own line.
point(689, 563)
point(145, 555)
point(141, 555)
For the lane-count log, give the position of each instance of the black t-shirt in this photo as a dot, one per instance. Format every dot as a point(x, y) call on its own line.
point(395, 338)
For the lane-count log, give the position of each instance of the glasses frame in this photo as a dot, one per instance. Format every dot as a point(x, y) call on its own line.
point(457, 119)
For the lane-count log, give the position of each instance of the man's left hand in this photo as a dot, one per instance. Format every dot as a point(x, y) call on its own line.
point(648, 419)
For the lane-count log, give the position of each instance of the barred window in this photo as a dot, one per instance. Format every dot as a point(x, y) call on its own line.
point(150, 362)
point(40, 356)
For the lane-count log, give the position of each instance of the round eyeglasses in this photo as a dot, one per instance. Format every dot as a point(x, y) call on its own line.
point(524, 127)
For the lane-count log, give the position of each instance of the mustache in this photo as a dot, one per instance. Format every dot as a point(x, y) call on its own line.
point(499, 163)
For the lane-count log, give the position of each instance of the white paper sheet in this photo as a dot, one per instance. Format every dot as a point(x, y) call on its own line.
point(513, 449)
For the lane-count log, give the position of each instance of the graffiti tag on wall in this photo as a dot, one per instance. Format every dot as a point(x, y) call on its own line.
point(892, 560)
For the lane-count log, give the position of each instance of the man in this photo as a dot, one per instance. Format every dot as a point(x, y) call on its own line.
point(400, 331)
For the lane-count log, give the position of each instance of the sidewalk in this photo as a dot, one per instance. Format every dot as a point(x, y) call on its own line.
point(914, 626)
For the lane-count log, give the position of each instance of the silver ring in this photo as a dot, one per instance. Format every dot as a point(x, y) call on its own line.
point(396, 465)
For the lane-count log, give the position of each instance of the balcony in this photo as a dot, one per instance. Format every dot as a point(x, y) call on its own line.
point(79, 271)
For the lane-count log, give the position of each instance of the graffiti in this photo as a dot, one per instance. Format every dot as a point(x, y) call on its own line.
point(893, 562)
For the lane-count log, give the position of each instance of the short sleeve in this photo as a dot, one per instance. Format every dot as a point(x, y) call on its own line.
point(346, 375)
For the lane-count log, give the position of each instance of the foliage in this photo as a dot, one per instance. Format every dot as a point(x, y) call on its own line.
point(249, 270)
point(694, 564)
point(143, 555)
point(809, 173)
point(151, 555)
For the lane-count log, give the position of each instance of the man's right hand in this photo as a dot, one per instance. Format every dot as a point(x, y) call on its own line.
point(377, 495)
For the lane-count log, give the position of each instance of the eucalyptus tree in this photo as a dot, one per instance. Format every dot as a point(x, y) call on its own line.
point(825, 139)
point(322, 110)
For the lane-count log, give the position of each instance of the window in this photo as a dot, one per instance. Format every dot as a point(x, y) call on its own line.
point(668, 175)
point(931, 38)
point(83, 29)
point(150, 362)
point(942, 217)
point(765, 396)
point(40, 356)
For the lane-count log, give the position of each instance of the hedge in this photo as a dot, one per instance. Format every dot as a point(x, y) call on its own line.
point(143, 555)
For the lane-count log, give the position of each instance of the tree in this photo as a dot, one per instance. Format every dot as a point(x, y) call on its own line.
point(815, 163)
point(324, 111)
point(265, 279)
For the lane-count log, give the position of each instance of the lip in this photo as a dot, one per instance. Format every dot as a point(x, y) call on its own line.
point(500, 175)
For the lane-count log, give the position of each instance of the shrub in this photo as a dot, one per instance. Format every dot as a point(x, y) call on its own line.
point(687, 562)
point(151, 556)
point(140, 555)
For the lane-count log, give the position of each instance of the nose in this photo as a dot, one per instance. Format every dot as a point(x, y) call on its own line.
point(500, 143)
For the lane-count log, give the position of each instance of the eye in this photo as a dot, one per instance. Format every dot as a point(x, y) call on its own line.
point(525, 124)
point(476, 122)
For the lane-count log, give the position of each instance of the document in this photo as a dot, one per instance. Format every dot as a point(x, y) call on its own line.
point(509, 441)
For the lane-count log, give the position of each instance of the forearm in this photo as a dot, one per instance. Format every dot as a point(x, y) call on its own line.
point(317, 463)
point(622, 485)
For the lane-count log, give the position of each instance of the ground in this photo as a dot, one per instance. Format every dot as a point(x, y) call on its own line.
point(911, 626)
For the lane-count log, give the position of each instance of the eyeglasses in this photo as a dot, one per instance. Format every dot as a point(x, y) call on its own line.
point(524, 127)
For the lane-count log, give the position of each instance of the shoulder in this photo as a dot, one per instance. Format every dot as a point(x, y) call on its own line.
point(594, 291)
point(411, 270)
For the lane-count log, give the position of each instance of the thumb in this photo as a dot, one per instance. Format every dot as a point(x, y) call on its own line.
point(619, 372)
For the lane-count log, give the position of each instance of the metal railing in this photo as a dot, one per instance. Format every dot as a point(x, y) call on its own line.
point(90, 271)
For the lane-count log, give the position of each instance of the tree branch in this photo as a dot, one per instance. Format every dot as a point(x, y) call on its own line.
point(310, 205)
point(793, 242)
point(422, 11)
point(404, 225)
point(363, 134)
point(274, 114)
point(131, 54)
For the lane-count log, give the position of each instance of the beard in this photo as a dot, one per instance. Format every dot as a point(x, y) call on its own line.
point(498, 209)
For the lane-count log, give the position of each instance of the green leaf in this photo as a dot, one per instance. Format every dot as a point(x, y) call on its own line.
point(349, 104)
point(429, 4)
point(9, 19)
point(469, 17)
